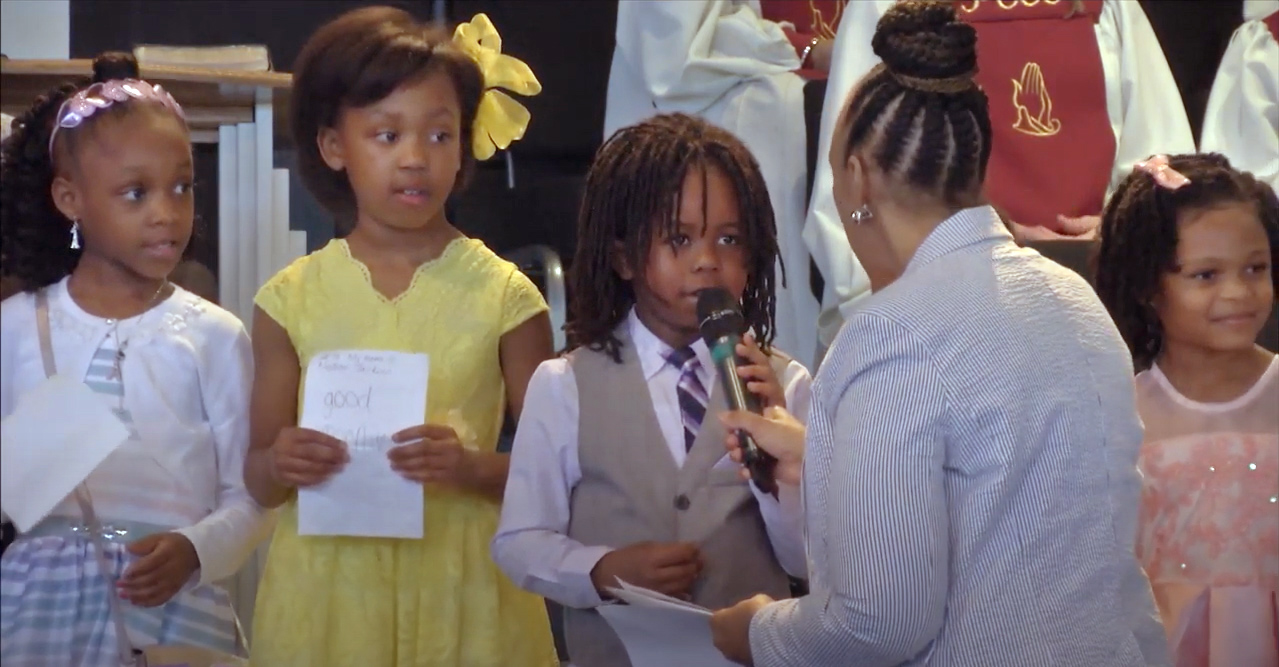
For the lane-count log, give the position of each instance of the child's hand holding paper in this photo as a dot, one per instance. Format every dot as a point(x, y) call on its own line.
point(433, 454)
point(360, 398)
point(301, 457)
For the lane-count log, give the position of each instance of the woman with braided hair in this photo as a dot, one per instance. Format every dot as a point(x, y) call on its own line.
point(969, 500)
point(1079, 92)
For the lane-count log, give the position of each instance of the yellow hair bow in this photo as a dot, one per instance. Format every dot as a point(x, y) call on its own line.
point(500, 120)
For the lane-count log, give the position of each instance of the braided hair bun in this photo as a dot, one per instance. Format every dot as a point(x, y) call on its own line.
point(920, 115)
point(926, 40)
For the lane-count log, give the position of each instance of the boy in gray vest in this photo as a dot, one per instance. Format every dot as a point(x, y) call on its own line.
point(619, 468)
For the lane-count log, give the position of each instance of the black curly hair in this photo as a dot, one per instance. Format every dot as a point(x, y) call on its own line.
point(34, 235)
point(632, 194)
point(356, 60)
point(1137, 241)
point(919, 114)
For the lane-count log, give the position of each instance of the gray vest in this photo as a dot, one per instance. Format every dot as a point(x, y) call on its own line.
point(631, 491)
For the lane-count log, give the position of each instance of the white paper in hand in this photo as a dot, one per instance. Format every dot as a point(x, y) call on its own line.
point(362, 398)
point(58, 434)
point(661, 631)
point(643, 597)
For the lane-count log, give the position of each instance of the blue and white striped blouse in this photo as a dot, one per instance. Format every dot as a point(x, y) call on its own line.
point(970, 484)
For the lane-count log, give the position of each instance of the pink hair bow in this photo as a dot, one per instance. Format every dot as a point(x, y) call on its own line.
point(1165, 176)
point(102, 95)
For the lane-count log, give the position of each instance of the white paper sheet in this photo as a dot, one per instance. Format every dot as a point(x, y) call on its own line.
point(363, 397)
point(661, 631)
point(58, 434)
point(644, 597)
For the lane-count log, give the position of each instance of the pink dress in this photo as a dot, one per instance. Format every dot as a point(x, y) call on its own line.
point(1209, 536)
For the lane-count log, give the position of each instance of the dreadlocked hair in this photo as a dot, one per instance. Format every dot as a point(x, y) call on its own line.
point(1137, 241)
point(632, 197)
point(919, 114)
point(35, 237)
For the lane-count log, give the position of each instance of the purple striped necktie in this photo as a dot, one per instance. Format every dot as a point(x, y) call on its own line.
point(690, 392)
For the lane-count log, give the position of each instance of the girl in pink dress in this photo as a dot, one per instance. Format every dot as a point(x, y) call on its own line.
point(1185, 267)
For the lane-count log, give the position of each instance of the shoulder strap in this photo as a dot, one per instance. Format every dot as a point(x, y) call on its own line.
point(42, 327)
point(128, 656)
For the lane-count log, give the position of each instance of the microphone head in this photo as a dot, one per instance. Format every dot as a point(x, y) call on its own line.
point(718, 315)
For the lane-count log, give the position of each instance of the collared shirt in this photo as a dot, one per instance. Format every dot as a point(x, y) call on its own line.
point(532, 546)
point(970, 484)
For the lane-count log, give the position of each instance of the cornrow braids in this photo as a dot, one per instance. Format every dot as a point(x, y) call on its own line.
point(631, 198)
point(919, 113)
point(1137, 240)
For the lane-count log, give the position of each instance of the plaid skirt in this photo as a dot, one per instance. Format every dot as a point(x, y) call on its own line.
point(54, 609)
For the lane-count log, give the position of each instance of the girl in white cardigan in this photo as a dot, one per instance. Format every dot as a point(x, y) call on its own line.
point(97, 209)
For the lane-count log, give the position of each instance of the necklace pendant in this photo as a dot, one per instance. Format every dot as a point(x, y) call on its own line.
point(116, 373)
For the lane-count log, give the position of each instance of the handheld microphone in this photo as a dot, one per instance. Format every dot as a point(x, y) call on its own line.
point(721, 323)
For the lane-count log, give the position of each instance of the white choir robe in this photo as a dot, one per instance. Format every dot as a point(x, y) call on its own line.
point(1142, 102)
point(1242, 118)
point(718, 59)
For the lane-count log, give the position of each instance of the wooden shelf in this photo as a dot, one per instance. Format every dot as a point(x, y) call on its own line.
point(211, 98)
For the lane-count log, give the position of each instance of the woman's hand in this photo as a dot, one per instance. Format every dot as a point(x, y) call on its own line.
point(819, 58)
point(731, 628)
point(1067, 229)
point(776, 432)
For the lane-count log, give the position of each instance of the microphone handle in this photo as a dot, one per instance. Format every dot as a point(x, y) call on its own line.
point(760, 463)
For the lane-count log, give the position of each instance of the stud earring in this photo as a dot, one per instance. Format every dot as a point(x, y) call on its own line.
point(75, 234)
point(861, 215)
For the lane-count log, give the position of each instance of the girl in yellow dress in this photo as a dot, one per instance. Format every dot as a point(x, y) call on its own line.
point(387, 114)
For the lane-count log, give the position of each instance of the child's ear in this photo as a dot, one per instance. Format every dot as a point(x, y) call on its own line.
point(66, 197)
point(330, 148)
point(622, 263)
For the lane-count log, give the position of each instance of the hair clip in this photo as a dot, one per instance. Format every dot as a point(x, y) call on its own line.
point(499, 120)
point(1165, 176)
point(102, 95)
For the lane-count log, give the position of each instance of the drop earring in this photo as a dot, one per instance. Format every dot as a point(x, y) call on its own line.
point(861, 215)
point(75, 234)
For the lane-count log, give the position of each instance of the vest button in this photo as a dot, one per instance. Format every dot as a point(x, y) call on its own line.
point(682, 502)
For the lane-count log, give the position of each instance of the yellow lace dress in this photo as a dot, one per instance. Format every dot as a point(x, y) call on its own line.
point(438, 601)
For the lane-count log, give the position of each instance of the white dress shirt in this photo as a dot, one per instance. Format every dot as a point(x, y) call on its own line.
point(532, 546)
